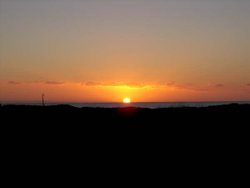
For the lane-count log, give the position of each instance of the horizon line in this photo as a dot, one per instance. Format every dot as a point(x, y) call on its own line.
point(120, 102)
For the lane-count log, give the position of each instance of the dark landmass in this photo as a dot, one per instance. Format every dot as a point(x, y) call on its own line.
point(65, 119)
point(200, 135)
point(217, 127)
point(126, 117)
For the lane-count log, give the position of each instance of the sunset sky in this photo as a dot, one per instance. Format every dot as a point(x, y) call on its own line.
point(105, 50)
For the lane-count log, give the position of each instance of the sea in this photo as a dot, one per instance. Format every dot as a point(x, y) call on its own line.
point(152, 105)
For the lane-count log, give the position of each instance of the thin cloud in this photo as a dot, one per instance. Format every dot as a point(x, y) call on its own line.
point(219, 85)
point(14, 82)
point(139, 85)
point(91, 83)
point(193, 87)
point(54, 83)
point(200, 87)
point(115, 84)
point(185, 86)
point(134, 84)
point(168, 85)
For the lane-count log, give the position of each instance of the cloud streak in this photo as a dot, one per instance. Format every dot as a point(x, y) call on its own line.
point(14, 82)
point(54, 83)
point(219, 85)
point(134, 85)
point(115, 84)
point(183, 86)
point(137, 85)
point(191, 86)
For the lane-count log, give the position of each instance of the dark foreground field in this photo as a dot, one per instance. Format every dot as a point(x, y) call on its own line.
point(68, 121)
point(210, 138)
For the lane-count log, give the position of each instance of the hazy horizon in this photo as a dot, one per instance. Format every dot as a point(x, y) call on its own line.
point(106, 50)
point(110, 102)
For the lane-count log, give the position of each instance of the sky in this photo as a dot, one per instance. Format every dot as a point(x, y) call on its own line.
point(105, 50)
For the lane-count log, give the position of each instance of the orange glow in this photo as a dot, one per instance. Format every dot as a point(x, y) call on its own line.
point(106, 92)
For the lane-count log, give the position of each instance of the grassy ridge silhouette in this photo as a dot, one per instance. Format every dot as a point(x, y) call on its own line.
point(123, 118)
point(64, 129)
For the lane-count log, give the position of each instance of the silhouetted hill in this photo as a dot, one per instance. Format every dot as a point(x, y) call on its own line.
point(67, 119)
point(212, 136)
point(54, 127)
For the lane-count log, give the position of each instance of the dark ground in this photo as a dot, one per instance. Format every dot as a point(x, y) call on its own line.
point(67, 121)
point(214, 140)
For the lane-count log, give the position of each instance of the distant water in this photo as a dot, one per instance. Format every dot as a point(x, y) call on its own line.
point(154, 104)
point(143, 104)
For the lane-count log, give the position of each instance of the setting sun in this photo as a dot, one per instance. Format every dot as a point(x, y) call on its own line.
point(126, 100)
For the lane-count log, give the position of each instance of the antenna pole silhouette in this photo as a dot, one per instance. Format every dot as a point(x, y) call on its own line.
point(43, 103)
